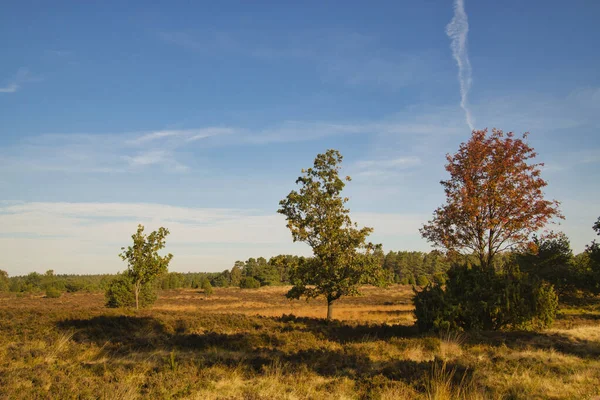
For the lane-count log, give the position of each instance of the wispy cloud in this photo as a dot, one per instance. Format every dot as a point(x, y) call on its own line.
point(85, 237)
point(148, 158)
point(423, 131)
point(385, 168)
point(14, 84)
point(399, 162)
point(188, 135)
point(349, 58)
point(11, 88)
point(156, 157)
point(457, 30)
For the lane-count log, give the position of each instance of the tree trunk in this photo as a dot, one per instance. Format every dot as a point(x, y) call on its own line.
point(329, 309)
point(137, 295)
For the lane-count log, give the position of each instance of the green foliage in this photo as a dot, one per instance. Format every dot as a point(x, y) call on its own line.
point(479, 298)
point(404, 264)
point(4, 281)
point(592, 263)
point(172, 280)
point(439, 279)
point(120, 293)
point(551, 259)
point(316, 215)
point(221, 280)
point(422, 281)
point(144, 264)
point(207, 287)
point(235, 275)
point(433, 311)
point(249, 282)
point(53, 292)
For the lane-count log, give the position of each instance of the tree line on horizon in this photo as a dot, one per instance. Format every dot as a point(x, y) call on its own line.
point(490, 270)
point(404, 267)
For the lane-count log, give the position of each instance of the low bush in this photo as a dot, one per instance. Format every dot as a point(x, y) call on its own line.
point(120, 293)
point(53, 292)
point(422, 281)
point(249, 283)
point(477, 298)
point(207, 287)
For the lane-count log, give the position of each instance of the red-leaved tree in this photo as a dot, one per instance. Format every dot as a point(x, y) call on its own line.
point(494, 197)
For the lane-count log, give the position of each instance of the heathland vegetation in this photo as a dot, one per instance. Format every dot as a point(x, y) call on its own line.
point(501, 308)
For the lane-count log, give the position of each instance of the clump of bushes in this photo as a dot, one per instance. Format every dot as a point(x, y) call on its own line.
point(207, 287)
point(422, 281)
point(120, 293)
point(249, 282)
point(479, 298)
point(53, 292)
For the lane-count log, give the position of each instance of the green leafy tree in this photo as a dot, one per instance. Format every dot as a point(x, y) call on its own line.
point(422, 281)
point(316, 214)
point(120, 293)
point(33, 282)
point(551, 259)
point(144, 264)
point(284, 264)
point(207, 288)
point(592, 253)
point(249, 282)
point(236, 273)
point(4, 281)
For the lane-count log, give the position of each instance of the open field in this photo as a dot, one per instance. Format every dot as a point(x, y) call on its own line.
point(245, 344)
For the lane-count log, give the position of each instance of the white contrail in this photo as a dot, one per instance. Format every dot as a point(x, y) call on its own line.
point(457, 30)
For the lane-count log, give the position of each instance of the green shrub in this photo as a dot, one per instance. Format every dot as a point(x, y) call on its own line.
point(53, 292)
point(4, 281)
point(422, 281)
point(120, 293)
point(439, 278)
point(477, 298)
point(74, 286)
point(433, 312)
point(592, 269)
point(207, 287)
point(551, 259)
point(249, 283)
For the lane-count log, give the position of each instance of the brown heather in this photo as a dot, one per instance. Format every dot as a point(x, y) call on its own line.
point(256, 344)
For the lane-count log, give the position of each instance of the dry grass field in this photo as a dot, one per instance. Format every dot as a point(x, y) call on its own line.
point(255, 344)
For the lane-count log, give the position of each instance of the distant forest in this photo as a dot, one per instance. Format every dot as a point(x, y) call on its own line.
point(404, 267)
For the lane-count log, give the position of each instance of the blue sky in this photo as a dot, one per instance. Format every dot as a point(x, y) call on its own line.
point(199, 117)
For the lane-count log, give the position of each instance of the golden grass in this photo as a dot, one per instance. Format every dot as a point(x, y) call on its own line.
point(243, 344)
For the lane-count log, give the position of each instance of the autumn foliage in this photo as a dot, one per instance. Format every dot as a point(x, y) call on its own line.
point(494, 197)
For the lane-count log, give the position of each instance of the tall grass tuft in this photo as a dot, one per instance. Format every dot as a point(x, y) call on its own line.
point(443, 384)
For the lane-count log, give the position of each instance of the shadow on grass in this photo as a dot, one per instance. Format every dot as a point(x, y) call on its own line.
point(521, 340)
point(256, 350)
point(582, 316)
point(343, 332)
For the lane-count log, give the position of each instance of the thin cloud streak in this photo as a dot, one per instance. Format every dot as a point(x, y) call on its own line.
point(457, 30)
point(21, 76)
point(348, 58)
point(13, 87)
point(188, 134)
